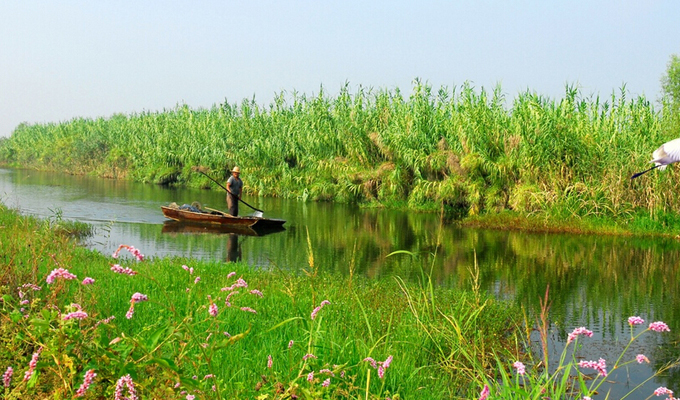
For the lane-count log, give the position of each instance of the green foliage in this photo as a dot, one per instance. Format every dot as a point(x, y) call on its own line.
point(176, 341)
point(472, 150)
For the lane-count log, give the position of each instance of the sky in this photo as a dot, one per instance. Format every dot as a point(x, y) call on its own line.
point(66, 59)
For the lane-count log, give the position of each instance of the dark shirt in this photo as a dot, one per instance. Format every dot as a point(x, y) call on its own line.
point(235, 185)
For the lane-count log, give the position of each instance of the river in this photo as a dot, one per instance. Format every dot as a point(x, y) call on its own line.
point(594, 281)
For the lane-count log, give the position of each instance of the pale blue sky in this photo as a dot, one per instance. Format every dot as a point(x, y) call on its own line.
point(66, 59)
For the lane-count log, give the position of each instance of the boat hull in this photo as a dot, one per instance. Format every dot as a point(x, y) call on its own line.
point(223, 219)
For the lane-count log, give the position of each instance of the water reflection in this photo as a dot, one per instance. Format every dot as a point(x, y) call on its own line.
point(594, 281)
point(233, 248)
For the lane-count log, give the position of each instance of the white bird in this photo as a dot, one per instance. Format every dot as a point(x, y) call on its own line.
point(668, 153)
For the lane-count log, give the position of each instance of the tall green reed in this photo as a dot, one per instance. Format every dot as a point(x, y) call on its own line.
point(473, 150)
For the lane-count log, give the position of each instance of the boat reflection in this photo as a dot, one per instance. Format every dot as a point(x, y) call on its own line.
point(234, 249)
point(188, 228)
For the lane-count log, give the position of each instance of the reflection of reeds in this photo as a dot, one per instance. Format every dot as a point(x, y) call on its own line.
point(464, 148)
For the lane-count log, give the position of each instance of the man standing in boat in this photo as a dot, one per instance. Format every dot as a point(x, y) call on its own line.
point(234, 186)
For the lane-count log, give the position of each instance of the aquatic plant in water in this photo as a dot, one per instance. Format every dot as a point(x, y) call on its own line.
point(570, 377)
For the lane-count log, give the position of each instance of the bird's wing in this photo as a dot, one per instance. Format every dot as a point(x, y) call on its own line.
point(672, 150)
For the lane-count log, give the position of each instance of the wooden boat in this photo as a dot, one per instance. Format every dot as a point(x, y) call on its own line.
point(216, 217)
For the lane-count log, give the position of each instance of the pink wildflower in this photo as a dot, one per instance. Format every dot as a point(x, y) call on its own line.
point(317, 309)
point(186, 268)
point(290, 344)
point(212, 310)
point(659, 326)
point(381, 371)
point(308, 356)
point(381, 366)
point(600, 366)
point(387, 362)
point(87, 381)
point(270, 361)
point(327, 372)
point(31, 365)
point(310, 376)
point(662, 391)
point(578, 331)
point(125, 271)
point(76, 314)
point(635, 321)
point(374, 364)
point(209, 376)
point(521, 369)
point(135, 252)
point(640, 358)
point(59, 273)
point(226, 301)
point(485, 393)
point(248, 309)
point(88, 281)
point(256, 292)
point(31, 286)
point(7, 376)
point(125, 382)
point(104, 321)
point(198, 279)
point(190, 397)
point(138, 297)
point(24, 302)
point(232, 273)
point(326, 383)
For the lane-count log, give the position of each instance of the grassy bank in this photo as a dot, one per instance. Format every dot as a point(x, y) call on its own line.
point(194, 335)
point(469, 150)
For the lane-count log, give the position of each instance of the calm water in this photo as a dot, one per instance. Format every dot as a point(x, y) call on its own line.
point(594, 281)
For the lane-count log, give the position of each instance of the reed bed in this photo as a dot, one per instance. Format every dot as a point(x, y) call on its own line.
point(464, 148)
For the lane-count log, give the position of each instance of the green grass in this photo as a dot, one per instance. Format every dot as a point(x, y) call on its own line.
point(469, 150)
point(434, 334)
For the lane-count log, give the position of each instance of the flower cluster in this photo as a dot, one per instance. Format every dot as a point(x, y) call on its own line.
point(87, 381)
point(317, 309)
point(135, 252)
point(59, 273)
point(125, 271)
point(381, 366)
point(88, 281)
point(75, 315)
point(600, 366)
point(663, 391)
point(239, 283)
point(659, 326)
point(136, 298)
point(125, 382)
point(31, 365)
point(578, 331)
point(7, 377)
point(635, 321)
point(519, 366)
point(640, 358)
point(212, 309)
